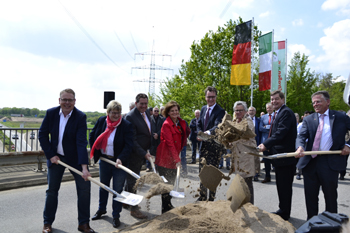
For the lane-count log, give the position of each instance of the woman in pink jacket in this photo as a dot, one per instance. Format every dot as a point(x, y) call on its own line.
point(174, 135)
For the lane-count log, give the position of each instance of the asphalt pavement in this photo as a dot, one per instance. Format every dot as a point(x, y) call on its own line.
point(22, 199)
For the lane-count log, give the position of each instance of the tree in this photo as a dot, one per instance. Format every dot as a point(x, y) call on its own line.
point(209, 65)
point(301, 83)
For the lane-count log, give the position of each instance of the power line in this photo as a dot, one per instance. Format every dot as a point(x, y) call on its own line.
point(226, 8)
point(123, 45)
point(88, 35)
point(134, 42)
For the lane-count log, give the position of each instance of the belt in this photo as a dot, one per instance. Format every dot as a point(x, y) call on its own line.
point(108, 156)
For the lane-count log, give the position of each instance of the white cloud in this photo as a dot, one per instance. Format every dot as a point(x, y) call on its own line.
point(264, 14)
point(319, 24)
point(336, 46)
point(298, 22)
point(343, 6)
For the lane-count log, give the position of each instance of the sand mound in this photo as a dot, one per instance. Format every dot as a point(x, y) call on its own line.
point(213, 217)
point(149, 178)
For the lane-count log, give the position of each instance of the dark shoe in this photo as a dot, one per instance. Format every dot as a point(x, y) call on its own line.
point(116, 222)
point(341, 178)
point(193, 162)
point(266, 180)
point(137, 214)
point(98, 214)
point(228, 168)
point(167, 208)
point(298, 177)
point(281, 215)
point(47, 228)
point(85, 228)
point(256, 178)
point(126, 206)
point(201, 199)
point(220, 167)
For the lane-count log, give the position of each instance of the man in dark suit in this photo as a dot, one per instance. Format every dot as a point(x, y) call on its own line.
point(141, 121)
point(210, 116)
point(281, 139)
point(325, 130)
point(193, 135)
point(62, 136)
point(256, 122)
point(264, 128)
point(156, 125)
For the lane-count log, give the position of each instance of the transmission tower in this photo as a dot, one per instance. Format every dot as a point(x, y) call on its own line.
point(152, 68)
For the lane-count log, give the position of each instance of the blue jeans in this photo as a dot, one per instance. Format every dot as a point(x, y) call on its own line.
point(195, 145)
point(107, 171)
point(183, 160)
point(54, 177)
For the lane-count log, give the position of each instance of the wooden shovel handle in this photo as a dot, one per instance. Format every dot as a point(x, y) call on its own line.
point(314, 153)
point(89, 177)
point(127, 170)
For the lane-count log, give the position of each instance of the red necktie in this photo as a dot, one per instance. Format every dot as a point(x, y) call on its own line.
point(269, 119)
point(206, 119)
point(317, 141)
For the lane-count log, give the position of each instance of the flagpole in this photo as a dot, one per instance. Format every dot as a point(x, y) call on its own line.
point(273, 47)
point(251, 63)
point(285, 78)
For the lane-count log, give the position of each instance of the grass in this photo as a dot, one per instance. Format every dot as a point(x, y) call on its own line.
point(17, 124)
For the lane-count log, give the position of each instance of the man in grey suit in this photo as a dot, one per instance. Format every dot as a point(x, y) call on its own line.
point(156, 124)
point(325, 130)
point(141, 121)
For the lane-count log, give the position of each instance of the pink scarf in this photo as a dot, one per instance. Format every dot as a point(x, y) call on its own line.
point(101, 141)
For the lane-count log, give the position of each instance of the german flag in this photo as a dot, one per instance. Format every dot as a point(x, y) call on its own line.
point(241, 57)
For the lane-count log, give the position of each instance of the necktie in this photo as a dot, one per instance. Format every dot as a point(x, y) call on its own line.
point(144, 117)
point(317, 141)
point(206, 119)
point(273, 119)
point(269, 119)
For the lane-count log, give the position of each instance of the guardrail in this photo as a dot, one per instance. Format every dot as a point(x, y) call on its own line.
point(21, 139)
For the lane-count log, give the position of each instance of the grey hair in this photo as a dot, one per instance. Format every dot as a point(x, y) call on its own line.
point(243, 103)
point(269, 103)
point(252, 108)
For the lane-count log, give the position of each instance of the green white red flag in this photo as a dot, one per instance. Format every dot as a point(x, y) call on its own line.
point(278, 80)
point(265, 57)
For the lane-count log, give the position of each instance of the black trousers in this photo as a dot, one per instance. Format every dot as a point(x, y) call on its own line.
point(284, 182)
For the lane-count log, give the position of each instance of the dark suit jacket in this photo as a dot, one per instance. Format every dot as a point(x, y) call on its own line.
point(142, 136)
point(339, 123)
point(156, 128)
point(74, 140)
point(257, 132)
point(193, 127)
point(215, 118)
point(283, 135)
point(122, 143)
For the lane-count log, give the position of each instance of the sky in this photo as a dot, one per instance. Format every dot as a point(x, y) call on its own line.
point(96, 46)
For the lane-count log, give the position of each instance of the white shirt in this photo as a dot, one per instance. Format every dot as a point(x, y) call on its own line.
point(110, 148)
point(326, 139)
point(63, 123)
point(210, 111)
point(253, 119)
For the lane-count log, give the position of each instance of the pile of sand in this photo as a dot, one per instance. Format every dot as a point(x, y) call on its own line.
point(149, 178)
point(158, 189)
point(213, 217)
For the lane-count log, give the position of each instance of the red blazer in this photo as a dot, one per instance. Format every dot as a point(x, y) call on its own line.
point(171, 143)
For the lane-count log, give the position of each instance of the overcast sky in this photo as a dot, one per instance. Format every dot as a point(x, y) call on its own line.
point(90, 46)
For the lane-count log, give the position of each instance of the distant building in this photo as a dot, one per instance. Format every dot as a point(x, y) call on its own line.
point(17, 115)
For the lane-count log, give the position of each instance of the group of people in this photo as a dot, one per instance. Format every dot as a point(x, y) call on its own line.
point(131, 139)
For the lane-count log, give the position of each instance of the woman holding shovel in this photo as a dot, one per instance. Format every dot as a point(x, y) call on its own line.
point(112, 138)
point(174, 135)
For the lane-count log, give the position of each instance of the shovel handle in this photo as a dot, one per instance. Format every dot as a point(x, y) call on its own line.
point(177, 181)
point(127, 170)
point(152, 164)
point(108, 189)
point(313, 153)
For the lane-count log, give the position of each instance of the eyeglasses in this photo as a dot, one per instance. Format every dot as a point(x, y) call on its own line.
point(211, 97)
point(67, 100)
point(155, 110)
point(239, 110)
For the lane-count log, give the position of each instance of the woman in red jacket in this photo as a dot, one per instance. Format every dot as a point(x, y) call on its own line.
point(174, 135)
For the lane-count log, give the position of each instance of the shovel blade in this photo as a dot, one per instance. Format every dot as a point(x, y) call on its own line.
point(129, 198)
point(177, 194)
point(164, 179)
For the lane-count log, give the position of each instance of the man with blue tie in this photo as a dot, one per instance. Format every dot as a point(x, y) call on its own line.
point(264, 128)
point(193, 136)
point(210, 116)
point(256, 122)
point(325, 130)
point(62, 136)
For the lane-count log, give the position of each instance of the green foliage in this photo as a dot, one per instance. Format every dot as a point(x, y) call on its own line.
point(301, 83)
point(209, 65)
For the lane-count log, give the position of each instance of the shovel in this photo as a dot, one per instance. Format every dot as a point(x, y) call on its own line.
point(211, 177)
point(154, 169)
point(127, 170)
point(124, 197)
point(177, 192)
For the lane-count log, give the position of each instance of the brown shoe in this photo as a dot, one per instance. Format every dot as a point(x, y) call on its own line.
point(137, 214)
point(85, 228)
point(47, 228)
point(266, 180)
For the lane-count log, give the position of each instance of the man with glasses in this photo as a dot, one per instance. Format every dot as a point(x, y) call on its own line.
point(62, 136)
point(210, 116)
point(156, 123)
point(141, 121)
